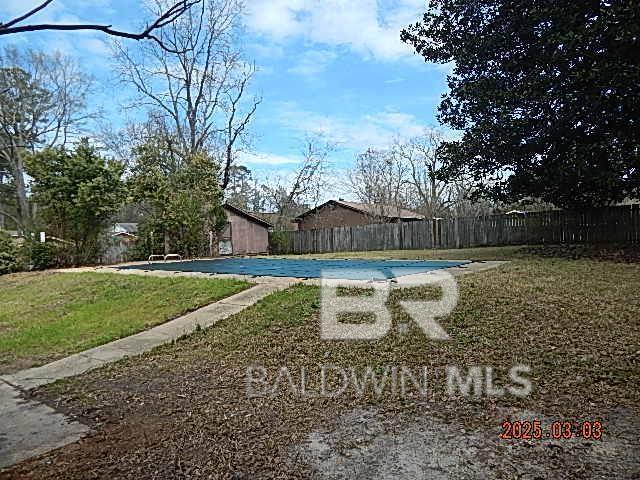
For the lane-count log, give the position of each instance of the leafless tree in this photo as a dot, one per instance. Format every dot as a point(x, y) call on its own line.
point(406, 175)
point(42, 104)
point(121, 143)
point(379, 179)
point(307, 183)
point(150, 32)
point(199, 83)
point(420, 155)
point(464, 204)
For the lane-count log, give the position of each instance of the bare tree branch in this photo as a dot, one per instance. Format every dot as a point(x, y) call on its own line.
point(164, 19)
point(201, 90)
point(25, 16)
point(379, 179)
point(290, 197)
point(234, 131)
point(420, 153)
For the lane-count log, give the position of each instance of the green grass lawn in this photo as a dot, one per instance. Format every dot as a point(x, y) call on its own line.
point(44, 316)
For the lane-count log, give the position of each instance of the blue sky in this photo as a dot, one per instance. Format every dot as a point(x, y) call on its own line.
point(331, 66)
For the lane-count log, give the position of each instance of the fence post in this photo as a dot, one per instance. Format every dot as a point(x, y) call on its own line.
point(434, 236)
point(438, 224)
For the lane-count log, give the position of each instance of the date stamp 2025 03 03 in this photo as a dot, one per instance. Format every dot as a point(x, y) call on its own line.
point(557, 430)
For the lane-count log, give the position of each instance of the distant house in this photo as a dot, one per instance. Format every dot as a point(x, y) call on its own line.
point(245, 233)
point(120, 240)
point(339, 213)
point(125, 229)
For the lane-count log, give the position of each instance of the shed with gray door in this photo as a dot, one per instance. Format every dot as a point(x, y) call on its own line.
point(244, 234)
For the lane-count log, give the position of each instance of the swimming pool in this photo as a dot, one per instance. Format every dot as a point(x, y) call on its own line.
point(356, 269)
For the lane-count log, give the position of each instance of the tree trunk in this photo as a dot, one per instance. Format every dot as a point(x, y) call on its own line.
point(24, 212)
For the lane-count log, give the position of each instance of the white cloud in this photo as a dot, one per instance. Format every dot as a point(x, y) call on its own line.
point(275, 17)
point(14, 8)
point(97, 46)
point(369, 27)
point(263, 158)
point(313, 62)
point(375, 130)
point(266, 50)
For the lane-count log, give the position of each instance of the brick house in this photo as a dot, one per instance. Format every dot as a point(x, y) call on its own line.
point(338, 213)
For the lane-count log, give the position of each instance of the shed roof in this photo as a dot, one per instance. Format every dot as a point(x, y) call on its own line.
point(248, 215)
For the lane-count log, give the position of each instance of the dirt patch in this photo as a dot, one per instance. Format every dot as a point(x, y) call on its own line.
point(369, 444)
point(191, 423)
point(200, 423)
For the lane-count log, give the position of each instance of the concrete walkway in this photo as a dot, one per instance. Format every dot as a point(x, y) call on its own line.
point(29, 428)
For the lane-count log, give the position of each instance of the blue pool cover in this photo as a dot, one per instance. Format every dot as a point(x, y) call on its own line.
point(355, 269)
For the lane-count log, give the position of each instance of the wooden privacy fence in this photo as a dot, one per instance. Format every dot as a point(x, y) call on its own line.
point(619, 224)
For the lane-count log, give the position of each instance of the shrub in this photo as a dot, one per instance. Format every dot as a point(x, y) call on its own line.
point(278, 242)
point(77, 191)
point(10, 259)
point(42, 255)
point(150, 240)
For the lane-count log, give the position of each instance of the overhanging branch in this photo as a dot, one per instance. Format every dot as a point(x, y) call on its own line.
point(172, 14)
